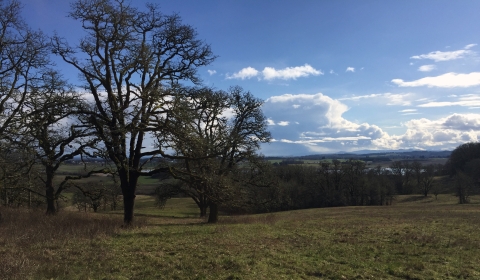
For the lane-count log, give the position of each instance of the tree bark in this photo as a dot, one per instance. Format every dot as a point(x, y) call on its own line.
point(213, 216)
point(128, 190)
point(203, 211)
point(128, 206)
point(50, 193)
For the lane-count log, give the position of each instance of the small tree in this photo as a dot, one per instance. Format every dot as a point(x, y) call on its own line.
point(463, 186)
point(52, 132)
point(427, 177)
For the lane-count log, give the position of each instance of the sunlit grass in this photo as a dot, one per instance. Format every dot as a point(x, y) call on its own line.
point(416, 238)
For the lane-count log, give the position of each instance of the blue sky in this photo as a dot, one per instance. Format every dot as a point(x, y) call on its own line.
point(335, 75)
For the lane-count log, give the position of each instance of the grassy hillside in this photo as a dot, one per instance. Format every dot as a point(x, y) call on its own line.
point(416, 238)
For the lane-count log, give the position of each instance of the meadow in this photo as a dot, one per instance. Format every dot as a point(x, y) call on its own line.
point(416, 238)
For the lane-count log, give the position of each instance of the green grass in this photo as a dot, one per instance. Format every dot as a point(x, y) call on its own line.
point(416, 238)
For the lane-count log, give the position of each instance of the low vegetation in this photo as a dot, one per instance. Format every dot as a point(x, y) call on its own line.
point(416, 238)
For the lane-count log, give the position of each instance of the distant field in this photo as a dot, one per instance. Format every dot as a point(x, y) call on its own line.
point(416, 238)
point(146, 184)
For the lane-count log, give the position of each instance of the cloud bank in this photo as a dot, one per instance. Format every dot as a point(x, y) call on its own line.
point(314, 123)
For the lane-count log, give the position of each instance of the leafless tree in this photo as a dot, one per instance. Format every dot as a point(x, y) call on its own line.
point(52, 132)
point(23, 54)
point(131, 61)
point(211, 144)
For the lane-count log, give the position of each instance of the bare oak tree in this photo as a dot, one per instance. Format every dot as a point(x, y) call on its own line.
point(52, 131)
point(131, 61)
point(217, 132)
point(23, 53)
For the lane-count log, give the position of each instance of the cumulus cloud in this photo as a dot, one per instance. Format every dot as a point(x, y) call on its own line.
point(426, 68)
point(445, 132)
point(350, 69)
point(212, 72)
point(270, 73)
point(448, 80)
point(321, 127)
point(245, 73)
point(445, 56)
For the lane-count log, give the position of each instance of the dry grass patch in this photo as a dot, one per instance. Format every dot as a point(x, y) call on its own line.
point(31, 241)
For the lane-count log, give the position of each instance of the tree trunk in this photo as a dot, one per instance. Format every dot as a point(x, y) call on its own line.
point(50, 193)
point(203, 211)
point(128, 206)
point(213, 216)
point(128, 191)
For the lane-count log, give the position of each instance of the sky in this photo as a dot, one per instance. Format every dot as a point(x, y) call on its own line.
point(335, 76)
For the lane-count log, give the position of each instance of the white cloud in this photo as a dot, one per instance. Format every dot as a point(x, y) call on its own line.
point(426, 68)
point(469, 46)
point(212, 72)
point(270, 122)
point(448, 80)
point(296, 106)
point(400, 99)
point(270, 73)
point(350, 69)
point(321, 127)
point(444, 56)
point(333, 72)
point(448, 131)
point(319, 121)
point(468, 100)
point(245, 73)
point(373, 95)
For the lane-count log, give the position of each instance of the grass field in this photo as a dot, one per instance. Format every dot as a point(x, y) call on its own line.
point(416, 238)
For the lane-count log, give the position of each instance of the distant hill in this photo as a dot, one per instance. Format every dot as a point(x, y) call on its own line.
point(376, 155)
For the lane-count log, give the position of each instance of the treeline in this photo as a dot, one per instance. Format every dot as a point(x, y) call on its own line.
point(282, 187)
point(328, 184)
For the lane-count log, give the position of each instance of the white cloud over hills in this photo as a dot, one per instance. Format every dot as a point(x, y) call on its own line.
point(317, 125)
